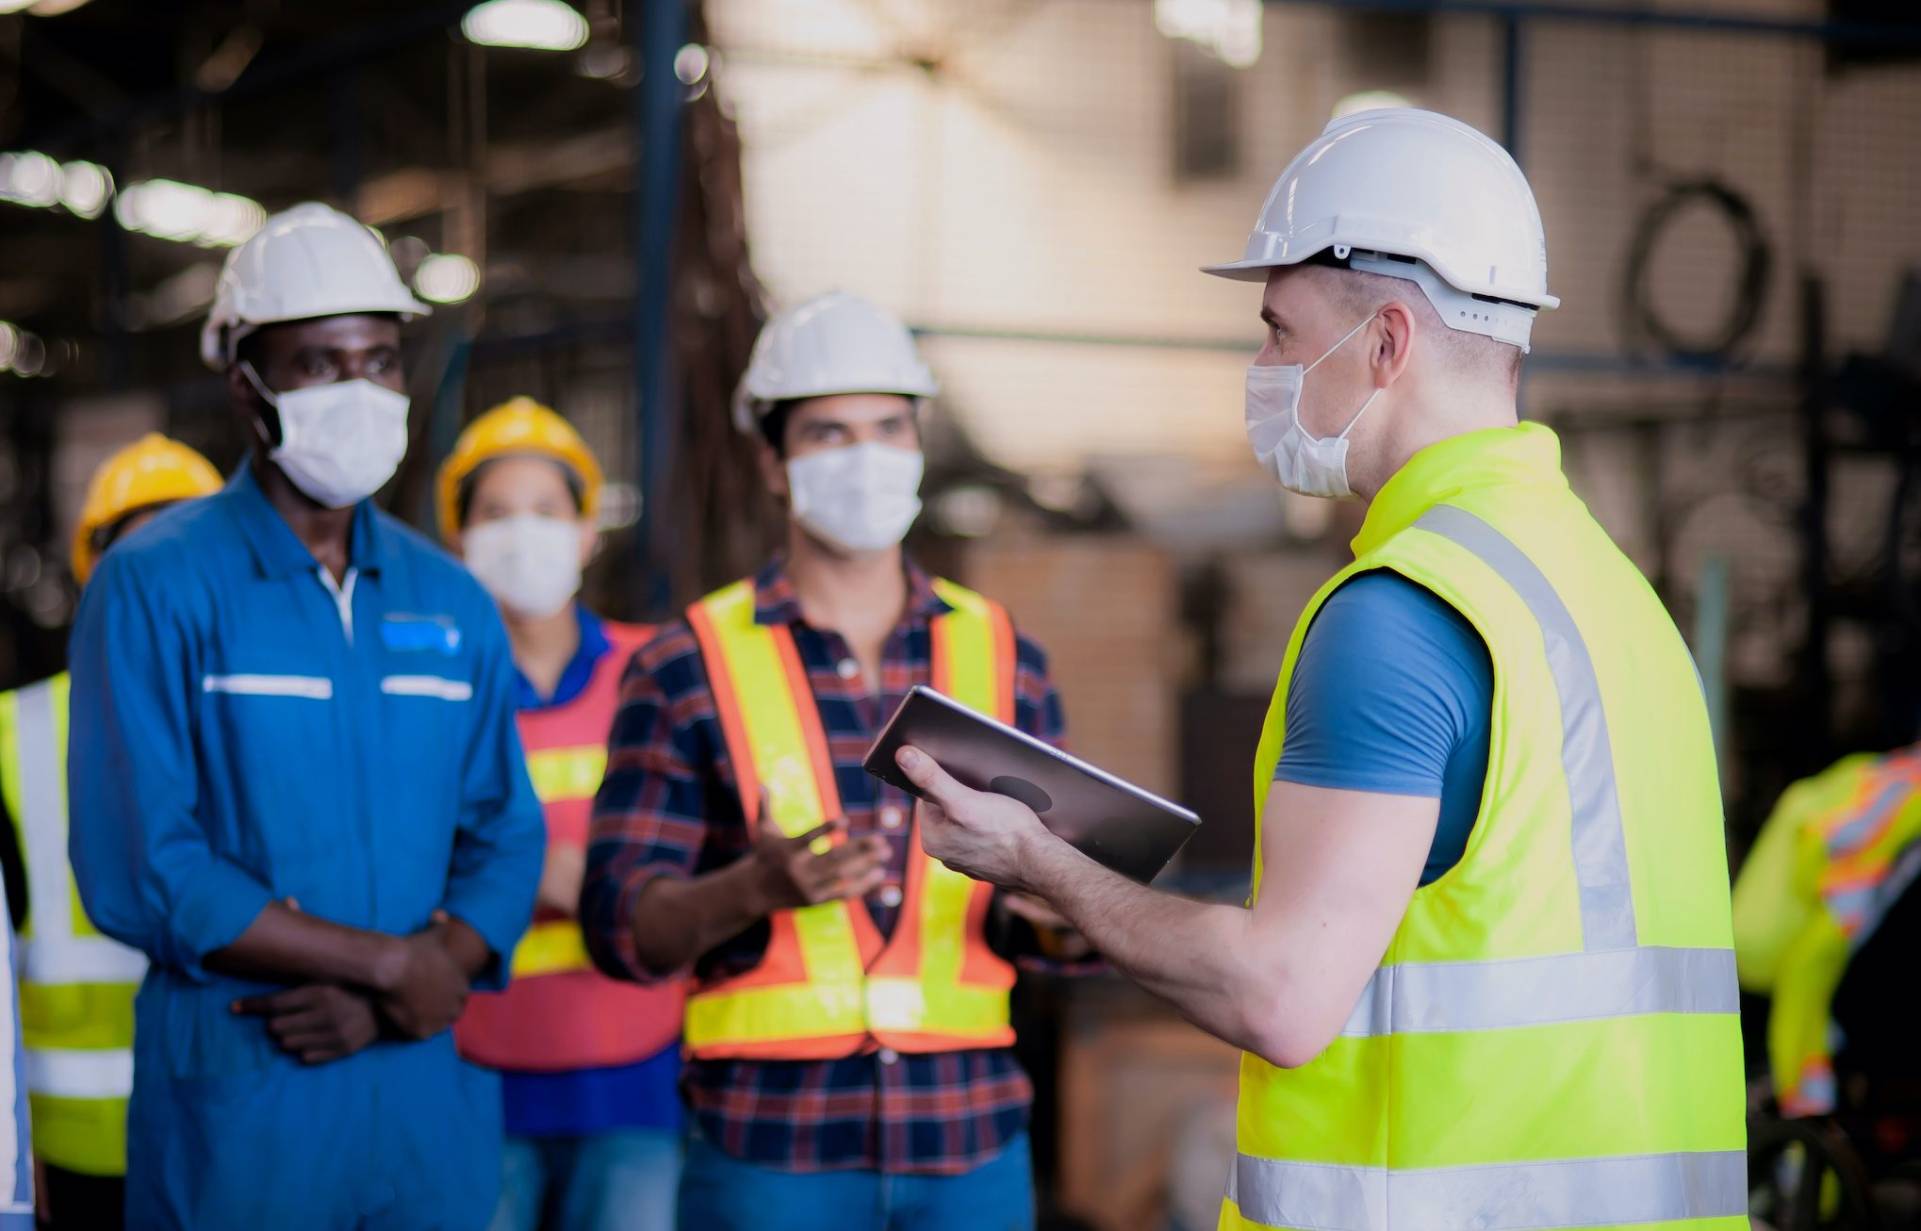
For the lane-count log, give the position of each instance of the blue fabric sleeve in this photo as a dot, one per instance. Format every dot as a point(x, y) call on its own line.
point(1392, 694)
point(146, 871)
point(503, 835)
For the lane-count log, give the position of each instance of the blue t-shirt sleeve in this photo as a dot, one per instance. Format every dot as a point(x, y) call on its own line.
point(1391, 693)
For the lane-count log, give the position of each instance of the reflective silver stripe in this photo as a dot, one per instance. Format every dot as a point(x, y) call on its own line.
point(72, 1073)
point(79, 959)
point(1429, 997)
point(426, 686)
point(1588, 1192)
point(43, 797)
point(14, 1142)
point(1587, 757)
point(1906, 870)
point(310, 687)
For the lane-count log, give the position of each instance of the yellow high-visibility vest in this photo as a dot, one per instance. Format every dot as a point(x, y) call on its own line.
point(1837, 852)
point(1552, 1037)
point(827, 984)
point(76, 986)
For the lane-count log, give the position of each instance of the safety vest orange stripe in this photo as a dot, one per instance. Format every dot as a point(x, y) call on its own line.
point(559, 1014)
point(785, 961)
point(818, 757)
point(826, 985)
point(727, 707)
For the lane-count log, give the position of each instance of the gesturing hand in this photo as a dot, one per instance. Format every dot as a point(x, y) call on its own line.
point(791, 875)
point(424, 989)
point(318, 1022)
point(979, 833)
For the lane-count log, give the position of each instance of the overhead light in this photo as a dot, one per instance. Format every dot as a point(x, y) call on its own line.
point(54, 8)
point(1231, 29)
point(84, 188)
point(691, 63)
point(409, 250)
point(30, 356)
point(231, 220)
point(446, 277)
point(539, 25)
point(29, 178)
point(1369, 100)
point(22, 353)
point(188, 213)
point(603, 61)
point(14, 6)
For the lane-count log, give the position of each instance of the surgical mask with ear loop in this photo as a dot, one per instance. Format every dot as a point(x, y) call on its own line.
point(1304, 464)
point(857, 497)
point(529, 563)
point(338, 443)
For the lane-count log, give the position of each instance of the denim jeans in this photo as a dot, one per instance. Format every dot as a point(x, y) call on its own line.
point(623, 1180)
point(722, 1193)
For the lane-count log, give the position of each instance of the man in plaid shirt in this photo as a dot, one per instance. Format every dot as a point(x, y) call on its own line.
point(803, 1119)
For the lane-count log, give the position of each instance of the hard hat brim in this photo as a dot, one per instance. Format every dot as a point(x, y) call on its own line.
point(1244, 271)
point(1255, 269)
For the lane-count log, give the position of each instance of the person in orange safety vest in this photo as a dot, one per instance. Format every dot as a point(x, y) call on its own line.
point(588, 1065)
point(847, 1024)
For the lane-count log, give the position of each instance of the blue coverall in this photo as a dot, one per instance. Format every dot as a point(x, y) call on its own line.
point(243, 730)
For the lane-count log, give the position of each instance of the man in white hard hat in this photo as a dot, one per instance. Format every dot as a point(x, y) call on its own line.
point(296, 785)
point(847, 1023)
point(1486, 976)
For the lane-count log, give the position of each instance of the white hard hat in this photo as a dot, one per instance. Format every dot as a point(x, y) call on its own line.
point(1413, 195)
point(832, 343)
point(311, 260)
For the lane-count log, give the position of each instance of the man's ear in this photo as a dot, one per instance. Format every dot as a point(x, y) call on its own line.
point(773, 471)
point(1394, 333)
point(259, 420)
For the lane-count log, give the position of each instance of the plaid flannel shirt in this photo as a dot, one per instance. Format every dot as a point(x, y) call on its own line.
point(668, 807)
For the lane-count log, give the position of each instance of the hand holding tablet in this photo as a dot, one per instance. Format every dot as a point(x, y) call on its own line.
point(1112, 821)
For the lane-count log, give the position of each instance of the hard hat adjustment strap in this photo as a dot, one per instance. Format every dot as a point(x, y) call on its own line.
point(253, 378)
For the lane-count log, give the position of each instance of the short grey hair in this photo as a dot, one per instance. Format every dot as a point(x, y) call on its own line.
point(1473, 353)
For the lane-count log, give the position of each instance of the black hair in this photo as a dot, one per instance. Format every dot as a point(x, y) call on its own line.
point(464, 493)
point(773, 424)
point(247, 350)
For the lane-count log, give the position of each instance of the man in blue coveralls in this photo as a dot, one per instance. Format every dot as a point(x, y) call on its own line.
point(296, 785)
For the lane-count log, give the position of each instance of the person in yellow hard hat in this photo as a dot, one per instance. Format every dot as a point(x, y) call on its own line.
point(589, 1066)
point(77, 986)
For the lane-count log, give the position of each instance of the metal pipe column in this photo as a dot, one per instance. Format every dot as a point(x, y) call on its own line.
point(656, 32)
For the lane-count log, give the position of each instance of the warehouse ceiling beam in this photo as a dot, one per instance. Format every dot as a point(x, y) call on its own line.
point(265, 74)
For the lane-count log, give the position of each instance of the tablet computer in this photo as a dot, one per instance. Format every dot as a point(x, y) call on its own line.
point(1112, 821)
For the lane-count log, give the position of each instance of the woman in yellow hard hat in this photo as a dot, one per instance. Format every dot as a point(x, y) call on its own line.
point(76, 986)
point(589, 1066)
point(130, 487)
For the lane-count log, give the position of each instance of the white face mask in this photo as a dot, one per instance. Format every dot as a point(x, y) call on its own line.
point(858, 497)
point(529, 563)
point(1302, 463)
point(338, 442)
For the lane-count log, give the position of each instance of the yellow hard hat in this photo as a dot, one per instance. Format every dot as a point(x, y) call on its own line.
point(520, 426)
point(152, 470)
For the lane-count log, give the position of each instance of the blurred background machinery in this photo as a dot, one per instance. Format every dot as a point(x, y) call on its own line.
point(604, 197)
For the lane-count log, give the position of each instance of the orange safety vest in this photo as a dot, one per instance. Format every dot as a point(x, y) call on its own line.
point(559, 1013)
point(828, 985)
